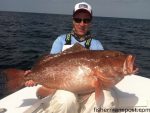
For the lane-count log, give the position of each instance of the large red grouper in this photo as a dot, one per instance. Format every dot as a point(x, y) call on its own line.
point(77, 70)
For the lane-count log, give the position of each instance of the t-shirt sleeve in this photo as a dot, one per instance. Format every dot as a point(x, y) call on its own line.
point(96, 45)
point(57, 46)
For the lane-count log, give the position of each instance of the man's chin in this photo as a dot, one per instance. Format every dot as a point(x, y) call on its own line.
point(81, 34)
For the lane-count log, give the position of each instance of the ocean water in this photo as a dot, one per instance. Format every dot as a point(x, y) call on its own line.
point(24, 37)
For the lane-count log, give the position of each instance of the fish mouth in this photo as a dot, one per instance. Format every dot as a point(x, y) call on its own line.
point(129, 65)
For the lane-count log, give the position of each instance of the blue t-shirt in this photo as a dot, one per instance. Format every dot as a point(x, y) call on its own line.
point(60, 42)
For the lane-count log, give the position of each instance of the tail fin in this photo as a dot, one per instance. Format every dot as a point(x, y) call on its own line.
point(11, 80)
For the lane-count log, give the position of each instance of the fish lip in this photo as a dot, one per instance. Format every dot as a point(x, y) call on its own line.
point(129, 67)
point(132, 64)
point(135, 69)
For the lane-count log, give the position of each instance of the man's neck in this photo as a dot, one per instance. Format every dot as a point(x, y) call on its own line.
point(81, 38)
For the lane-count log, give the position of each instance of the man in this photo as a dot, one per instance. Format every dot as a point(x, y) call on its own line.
point(65, 101)
point(82, 17)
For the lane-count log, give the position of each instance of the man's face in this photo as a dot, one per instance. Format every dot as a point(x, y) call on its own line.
point(81, 23)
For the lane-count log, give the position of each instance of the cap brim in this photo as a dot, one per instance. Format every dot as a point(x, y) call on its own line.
point(81, 10)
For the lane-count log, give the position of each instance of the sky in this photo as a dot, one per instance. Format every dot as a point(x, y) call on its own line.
point(139, 9)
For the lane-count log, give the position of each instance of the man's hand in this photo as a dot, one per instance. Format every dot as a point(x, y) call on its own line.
point(29, 83)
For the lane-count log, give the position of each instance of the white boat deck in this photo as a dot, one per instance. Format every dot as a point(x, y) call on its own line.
point(131, 91)
point(134, 91)
point(20, 101)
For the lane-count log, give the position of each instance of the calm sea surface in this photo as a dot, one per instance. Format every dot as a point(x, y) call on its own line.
point(26, 36)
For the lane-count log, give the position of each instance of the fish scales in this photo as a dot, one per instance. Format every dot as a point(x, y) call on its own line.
point(64, 70)
point(77, 69)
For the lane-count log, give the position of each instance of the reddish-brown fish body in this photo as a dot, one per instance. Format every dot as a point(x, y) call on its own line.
point(79, 71)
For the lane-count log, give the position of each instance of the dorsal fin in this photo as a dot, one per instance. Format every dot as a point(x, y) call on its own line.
point(41, 60)
point(47, 57)
point(75, 48)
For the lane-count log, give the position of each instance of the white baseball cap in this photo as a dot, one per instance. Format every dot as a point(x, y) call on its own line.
point(83, 6)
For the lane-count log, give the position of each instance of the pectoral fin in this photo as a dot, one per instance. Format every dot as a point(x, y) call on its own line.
point(99, 95)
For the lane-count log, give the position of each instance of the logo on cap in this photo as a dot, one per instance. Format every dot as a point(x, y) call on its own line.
point(83, 6)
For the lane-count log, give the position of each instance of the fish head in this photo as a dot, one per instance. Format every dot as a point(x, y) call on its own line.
point(111, 70)
point(129, 66)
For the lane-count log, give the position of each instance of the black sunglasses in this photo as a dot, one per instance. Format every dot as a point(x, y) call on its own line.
point(85, 20)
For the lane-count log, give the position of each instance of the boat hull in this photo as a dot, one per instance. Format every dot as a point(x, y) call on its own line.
point(132, 91)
